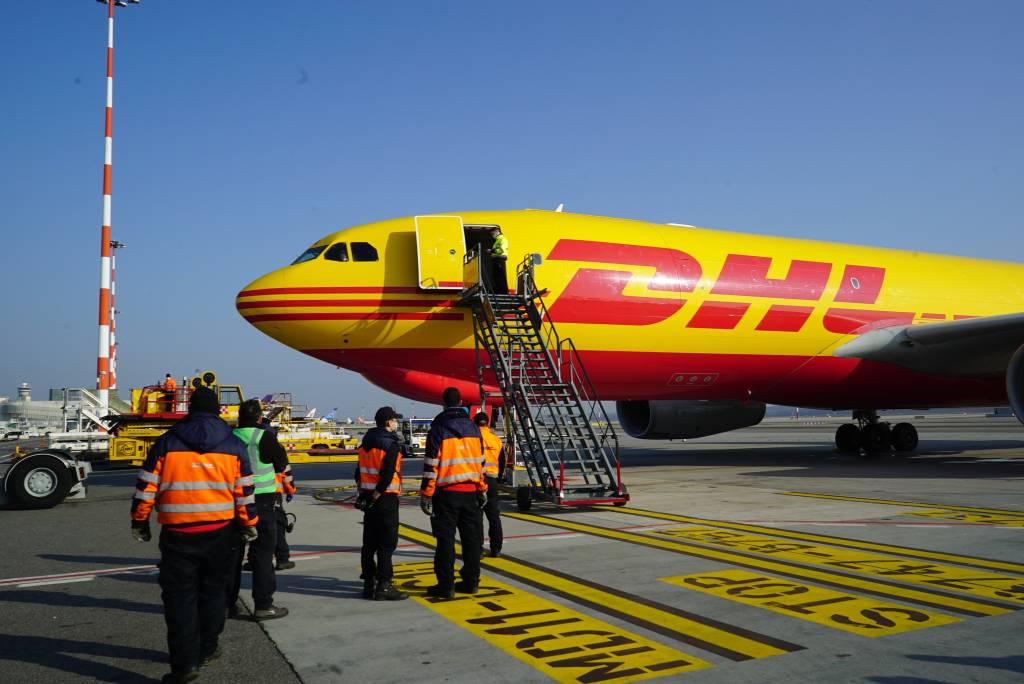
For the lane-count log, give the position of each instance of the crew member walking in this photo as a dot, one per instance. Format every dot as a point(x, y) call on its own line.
point(266, 456)
point(198, 477)
point(379, 478)
point(494, 463)
point(452, 493)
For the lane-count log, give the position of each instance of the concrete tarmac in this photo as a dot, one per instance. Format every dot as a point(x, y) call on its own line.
point(760, 555)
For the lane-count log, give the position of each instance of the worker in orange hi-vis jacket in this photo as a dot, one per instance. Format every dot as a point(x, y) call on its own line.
point(198, 477)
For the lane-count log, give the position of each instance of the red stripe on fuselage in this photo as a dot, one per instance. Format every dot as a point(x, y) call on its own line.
point(822, 381)
point(280, 303)
point(330, 290)
point(346, 316)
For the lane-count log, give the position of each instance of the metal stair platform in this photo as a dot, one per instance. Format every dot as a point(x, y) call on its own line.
point(555, 422)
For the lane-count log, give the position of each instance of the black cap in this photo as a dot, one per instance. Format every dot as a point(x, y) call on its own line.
point(204, 400)
point(481, 419)
point(384, 414)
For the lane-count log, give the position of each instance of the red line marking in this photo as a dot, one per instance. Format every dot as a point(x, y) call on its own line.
point(782, 318)
point(718, 315)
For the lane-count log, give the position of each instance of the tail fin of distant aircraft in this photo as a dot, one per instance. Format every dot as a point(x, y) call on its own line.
point(312, 413)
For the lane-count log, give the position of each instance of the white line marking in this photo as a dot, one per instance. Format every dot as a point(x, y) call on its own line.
point(58, 581)
point(298, 558)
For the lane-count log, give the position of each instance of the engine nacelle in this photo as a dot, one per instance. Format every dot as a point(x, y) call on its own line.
point(1015, 383)
point(686, 419)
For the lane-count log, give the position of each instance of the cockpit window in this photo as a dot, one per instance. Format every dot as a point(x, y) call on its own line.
point(363, 251)
point(337, 252)
point(309, 254)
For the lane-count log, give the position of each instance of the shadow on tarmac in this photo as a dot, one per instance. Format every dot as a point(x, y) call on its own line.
point(65, 600)
point(312, 585)
point(98, 560)
point(1011, 663)
point(58, 654)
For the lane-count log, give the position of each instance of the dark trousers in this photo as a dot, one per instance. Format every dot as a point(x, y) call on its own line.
point(264, 580)
point(193, 568)
point(457, 511)
point(493, 513)
point(281, 550)
point(380, 538)
point(499, 280)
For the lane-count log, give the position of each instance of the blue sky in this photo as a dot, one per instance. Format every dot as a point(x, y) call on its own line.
point(243, 131)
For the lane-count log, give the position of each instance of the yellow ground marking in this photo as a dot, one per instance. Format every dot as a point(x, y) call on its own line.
point(946, 577)
point(734, 643)
point(303, 457)
point(847, 612)
point(834, 541)
point(929, 597)
point(985, 518)
point(563, 644)
point(913, 504)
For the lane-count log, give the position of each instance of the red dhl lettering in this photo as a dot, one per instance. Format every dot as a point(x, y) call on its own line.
point(596, 295)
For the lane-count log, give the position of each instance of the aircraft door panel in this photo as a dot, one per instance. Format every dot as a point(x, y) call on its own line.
point(440, 248)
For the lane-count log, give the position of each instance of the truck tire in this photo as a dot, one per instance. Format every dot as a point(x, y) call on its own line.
point(39, 481)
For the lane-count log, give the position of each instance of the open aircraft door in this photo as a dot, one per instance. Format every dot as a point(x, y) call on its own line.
point(440, 248)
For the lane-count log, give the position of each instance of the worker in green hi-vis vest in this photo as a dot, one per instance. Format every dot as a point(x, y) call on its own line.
point(267, 457)
point(499, 258)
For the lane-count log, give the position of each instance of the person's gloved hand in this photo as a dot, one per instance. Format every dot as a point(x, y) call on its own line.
point(426, 505)
point(140, 531)
point(481, 499)
point(288, 498)
point(249, 534)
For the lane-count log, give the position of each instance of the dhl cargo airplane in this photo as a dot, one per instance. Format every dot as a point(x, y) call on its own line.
point(691, 331)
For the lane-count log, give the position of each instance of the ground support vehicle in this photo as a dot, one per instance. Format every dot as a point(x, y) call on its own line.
point(42, 479)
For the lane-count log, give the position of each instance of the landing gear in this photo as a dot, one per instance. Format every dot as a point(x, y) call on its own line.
point(904, 437)
point(848, 438)
point(873, 436)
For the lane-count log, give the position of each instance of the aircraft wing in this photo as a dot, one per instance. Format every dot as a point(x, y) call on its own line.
point(971, 347)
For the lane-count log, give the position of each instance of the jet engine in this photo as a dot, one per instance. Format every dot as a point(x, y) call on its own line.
point(1015, 383)
point(686, 419)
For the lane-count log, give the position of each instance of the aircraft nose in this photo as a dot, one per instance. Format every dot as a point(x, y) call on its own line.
point(260, 293)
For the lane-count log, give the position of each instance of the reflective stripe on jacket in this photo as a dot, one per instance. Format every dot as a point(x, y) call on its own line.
point(262, 473)
point(370, 461)
point(492, 451)
point(455, 453)
point(196, 473)
point(500, 246)
point(285, 481)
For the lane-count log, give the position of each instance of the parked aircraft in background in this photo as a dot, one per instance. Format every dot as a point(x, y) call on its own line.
point(691, 331)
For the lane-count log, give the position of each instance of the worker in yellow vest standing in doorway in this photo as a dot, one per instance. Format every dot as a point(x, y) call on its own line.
point(494, 461)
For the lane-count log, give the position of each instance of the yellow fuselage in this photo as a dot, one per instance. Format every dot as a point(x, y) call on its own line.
point(656, 311)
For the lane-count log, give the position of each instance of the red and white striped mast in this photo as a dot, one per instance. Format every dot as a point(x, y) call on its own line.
point(104, 377)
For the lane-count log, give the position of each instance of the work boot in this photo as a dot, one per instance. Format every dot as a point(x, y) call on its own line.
point(386, 591)
point(271, 613)
point(236, 611)
point(439, 592)
point(180, 676)
point(211, 656)
point(285, 565)
point(247, 565)
point(368, 589)
point(495, 552)
point(464, 587)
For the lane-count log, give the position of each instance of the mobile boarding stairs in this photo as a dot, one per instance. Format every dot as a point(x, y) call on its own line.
point(555, 423)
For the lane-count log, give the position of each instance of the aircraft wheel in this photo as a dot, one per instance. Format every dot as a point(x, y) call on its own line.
point(524, 498)
point(40, 481)
point(904, 437)
point(848, 438)
point(876, 439)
